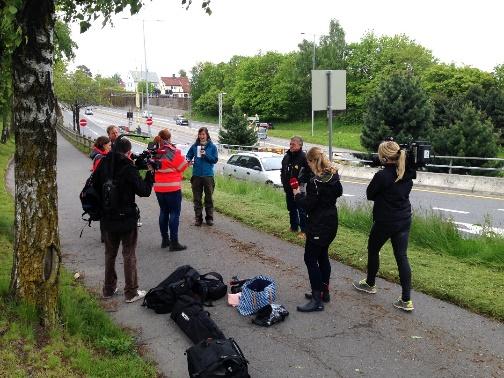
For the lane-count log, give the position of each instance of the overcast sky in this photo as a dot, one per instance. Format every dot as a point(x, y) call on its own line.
point(463, 32)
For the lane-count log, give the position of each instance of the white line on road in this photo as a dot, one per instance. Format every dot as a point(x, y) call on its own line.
point(450, 210)
point(476, 230)
point(348, 195)
point(500, 209)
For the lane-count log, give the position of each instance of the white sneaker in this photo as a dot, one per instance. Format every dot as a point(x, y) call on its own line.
point(140, 295)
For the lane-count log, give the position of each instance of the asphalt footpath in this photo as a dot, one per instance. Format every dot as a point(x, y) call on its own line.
point(357, 334)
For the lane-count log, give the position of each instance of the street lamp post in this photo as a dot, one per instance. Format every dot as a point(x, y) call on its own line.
point(313, 68)
point(146, 70)
point(220, 97)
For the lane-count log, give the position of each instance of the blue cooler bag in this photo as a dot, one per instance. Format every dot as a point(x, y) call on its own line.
point(257, 293)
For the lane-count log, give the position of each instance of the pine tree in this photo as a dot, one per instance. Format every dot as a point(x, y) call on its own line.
point(472, 135)
point(235, 130)
point(400, 109)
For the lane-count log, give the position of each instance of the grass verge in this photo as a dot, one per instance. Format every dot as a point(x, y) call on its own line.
point(87, 343)
point(466, 272)
point(344, 135)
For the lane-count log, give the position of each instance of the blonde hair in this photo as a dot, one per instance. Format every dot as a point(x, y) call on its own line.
point(320, 163)
point(389, 151)
point(163, 135)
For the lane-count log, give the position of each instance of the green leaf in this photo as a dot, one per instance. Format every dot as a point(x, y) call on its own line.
point(12, 9)
point(84, 25)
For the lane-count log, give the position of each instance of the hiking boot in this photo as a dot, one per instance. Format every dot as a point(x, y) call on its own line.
point(198, 222)
point(111, 295)
point(315, 303)
point(325, 296)
point(165, 242)
point(404, 305)
point(209, 222)
point(176, 246)
point(362, 285)
point(140, 294)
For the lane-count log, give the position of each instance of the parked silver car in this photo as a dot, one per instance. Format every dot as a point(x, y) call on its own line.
point(255, 166)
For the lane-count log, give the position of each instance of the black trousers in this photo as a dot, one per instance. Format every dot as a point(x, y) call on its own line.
point(200, 185)
point(317, 262)
point(398, 233)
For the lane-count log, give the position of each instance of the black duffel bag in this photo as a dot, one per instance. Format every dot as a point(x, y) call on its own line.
point(196, 323)
point(216, 358)
point(211, 286)
point(162, 298)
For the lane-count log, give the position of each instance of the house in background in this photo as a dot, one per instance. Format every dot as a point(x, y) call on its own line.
point(175, 86)
point(134, 77)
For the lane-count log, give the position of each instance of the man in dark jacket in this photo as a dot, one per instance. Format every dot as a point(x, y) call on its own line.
point(294, 165)
point(118, 181)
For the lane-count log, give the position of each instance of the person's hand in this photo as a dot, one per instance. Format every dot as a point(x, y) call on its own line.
point(296, 191)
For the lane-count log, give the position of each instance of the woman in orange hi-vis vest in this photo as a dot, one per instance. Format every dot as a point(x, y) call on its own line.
point(167, 185)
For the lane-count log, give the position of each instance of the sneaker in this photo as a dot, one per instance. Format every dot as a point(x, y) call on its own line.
point(110, 296)
point(140, 295)
point(362, 285)
point(404, 305)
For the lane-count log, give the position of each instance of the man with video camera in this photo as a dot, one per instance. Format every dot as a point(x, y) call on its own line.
point(118, 181)
point(390, 189)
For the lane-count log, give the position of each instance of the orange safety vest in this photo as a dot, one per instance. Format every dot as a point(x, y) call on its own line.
point(169, 177)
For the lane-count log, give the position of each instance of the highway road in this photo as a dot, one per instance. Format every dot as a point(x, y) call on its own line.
point(467, 210)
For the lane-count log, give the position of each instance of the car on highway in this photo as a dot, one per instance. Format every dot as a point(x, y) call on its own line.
point(124, 129)
point(88, 111)
point(181, 121)
point(255, 166)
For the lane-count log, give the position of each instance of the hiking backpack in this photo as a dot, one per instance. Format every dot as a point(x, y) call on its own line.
point(91, 201)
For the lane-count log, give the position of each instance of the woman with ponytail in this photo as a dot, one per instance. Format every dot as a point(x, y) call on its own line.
point(390, 189)
point(319, 202)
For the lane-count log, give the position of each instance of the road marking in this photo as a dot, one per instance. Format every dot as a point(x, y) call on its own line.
point(444, 192)
point(450, 210)
point(477, 230)
point(500, 209)
point(348, 195)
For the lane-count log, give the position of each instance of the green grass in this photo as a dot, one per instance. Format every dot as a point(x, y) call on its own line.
point(204, 118)
point(344, 136)
point(466, 272)
point(87, 343)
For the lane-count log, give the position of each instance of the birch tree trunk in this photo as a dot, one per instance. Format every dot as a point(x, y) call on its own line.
point(37, 256)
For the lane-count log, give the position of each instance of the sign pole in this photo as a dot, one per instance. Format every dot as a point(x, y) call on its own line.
point(329, 113)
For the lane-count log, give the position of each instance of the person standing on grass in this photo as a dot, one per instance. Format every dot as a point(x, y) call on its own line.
point(294, 166)
point(319, 202)
point(390, 189)
point(167, 185)
point(204, 155)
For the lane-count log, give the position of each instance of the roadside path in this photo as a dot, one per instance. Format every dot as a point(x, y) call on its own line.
point(357, 335)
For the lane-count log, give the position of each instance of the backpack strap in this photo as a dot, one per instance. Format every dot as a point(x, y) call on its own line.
point(213, 274)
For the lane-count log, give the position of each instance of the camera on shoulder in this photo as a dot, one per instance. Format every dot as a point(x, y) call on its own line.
point(418, 154)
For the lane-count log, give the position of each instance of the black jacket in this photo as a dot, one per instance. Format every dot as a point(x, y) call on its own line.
point(129, 183)
point(319, 203)
point(391, 199)
point(294, 164)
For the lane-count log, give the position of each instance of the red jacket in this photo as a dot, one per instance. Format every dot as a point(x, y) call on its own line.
point(169, 177)
point(97, 156)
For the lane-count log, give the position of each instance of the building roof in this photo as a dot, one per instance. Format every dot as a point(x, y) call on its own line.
point(152, 77)
point(178, 82)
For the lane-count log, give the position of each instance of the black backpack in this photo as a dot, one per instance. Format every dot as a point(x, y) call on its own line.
point(91, 201)
point(210, 286)
point(216, 358)
point(162, 298)
point(195, 322)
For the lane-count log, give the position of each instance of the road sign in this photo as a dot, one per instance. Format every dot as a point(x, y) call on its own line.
point(337, 89)
point(82, 122)
point(148, 122)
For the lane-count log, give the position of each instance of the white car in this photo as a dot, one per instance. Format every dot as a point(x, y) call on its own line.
point(255, 166)
point(88, 111)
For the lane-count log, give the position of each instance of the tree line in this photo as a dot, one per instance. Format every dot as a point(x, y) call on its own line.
point(461, 109)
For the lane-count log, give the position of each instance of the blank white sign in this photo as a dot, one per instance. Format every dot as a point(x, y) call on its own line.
point(338, 89)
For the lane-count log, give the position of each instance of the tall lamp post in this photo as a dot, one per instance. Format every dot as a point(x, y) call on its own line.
point(313, 68)
point(220, 97)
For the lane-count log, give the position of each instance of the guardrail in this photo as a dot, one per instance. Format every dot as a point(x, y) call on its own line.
point(74, 136)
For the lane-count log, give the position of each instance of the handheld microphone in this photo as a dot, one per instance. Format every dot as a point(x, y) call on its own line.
point(294, 183)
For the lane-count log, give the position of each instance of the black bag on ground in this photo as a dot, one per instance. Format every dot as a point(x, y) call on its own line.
point(211, 286)
point(196, 323)
point(216, 358)
point(162, 298)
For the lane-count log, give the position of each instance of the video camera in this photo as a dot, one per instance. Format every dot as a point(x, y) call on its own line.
point(148, 157)
point(418, 154)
